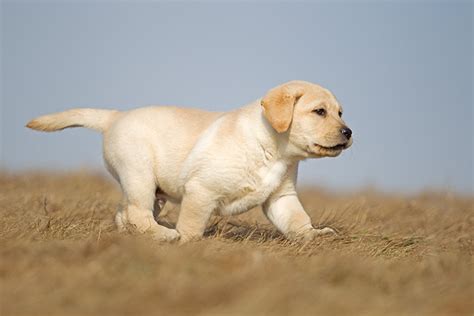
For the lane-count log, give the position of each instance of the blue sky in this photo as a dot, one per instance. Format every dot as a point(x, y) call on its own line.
point(403, 72)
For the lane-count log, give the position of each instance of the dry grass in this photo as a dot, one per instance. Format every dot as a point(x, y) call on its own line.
point(395, 255)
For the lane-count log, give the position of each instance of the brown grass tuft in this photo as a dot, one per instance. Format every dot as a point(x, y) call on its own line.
point(394, 255)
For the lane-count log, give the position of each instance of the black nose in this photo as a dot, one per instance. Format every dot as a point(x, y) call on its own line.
point(346, 131)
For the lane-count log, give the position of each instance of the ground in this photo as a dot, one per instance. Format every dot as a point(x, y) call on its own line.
point(393, 255)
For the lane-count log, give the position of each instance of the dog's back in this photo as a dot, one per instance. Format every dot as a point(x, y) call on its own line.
point(159, 137)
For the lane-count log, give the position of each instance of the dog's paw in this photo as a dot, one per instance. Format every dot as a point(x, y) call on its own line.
point(166, 234)
point(189, 238)
point(314, 233)
point(325, 231)
point(311, 234)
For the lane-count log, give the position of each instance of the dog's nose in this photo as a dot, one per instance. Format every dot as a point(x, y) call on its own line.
point(346, 131)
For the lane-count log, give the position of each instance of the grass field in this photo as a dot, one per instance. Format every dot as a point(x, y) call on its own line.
point(394, 255)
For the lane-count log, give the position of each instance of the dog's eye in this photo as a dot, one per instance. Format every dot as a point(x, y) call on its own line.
point(320, 112)
point(340, 114)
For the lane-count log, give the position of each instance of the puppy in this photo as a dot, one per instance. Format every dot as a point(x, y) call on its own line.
point(211, 162)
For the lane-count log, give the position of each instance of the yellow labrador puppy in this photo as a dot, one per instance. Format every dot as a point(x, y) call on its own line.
point(215, 162)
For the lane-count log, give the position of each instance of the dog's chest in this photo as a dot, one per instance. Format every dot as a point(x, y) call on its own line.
point(257, 190)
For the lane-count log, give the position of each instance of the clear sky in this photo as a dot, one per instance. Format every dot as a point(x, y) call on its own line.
point(403, 72)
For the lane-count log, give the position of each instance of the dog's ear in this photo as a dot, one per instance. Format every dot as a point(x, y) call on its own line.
point(278, 105)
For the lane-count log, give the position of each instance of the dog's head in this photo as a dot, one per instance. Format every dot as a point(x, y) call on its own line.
point(310, 115)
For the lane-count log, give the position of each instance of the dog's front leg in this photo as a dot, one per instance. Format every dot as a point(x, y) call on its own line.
point(284, 210)
point(196, 209)
point(288, 215)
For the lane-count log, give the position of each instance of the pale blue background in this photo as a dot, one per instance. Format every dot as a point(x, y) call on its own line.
point(403, 72)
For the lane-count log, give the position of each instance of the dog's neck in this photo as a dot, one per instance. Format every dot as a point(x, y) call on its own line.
point(275, 144)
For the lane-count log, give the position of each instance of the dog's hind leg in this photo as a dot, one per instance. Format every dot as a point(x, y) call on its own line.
point(160, 202)
point(196, 209)
point(139, 193)
point(119, 216)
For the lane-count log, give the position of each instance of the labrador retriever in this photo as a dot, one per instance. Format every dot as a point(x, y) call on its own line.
point(208, 162)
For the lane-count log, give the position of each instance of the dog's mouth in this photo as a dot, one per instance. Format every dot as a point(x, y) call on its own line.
point(333, 148)
point(326, 151)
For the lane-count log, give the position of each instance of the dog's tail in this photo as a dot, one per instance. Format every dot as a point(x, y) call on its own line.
point(96, 119)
